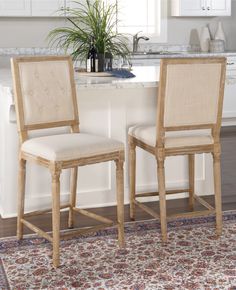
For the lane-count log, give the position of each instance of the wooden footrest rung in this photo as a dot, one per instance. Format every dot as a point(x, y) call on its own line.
point(191, 214)
point(147, 209)
point(41, 212)
point(93, 216)
point(70, 233)
point(73, 233)
point(156, 193)
point(63, 235)
point(203, 202)
point(37, 230)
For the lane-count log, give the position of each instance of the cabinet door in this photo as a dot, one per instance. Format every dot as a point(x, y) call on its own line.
point(47, 8)
point(229, 108)
point(189, 8)
point(15, 8)
point(218, 7)
point(192, 7)
point(71, 4)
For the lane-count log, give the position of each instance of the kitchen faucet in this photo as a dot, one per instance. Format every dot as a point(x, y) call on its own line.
point(136, 40)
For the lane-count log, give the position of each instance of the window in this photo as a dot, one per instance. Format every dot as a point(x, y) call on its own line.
point(148, 16)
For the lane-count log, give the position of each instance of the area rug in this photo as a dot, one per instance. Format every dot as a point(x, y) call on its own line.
point(193, 259)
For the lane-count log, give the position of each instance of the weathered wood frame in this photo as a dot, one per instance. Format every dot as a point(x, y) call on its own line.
point(56, 167)
point(160, 153)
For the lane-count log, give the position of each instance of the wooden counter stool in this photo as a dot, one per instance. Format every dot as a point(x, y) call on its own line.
point(189, 112)
point(45, 97)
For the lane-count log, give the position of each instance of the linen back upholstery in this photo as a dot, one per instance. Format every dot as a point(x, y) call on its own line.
point(190, 93)
point(45, 93)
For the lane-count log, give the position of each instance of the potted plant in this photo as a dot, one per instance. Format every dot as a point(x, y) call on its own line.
point(92, 19)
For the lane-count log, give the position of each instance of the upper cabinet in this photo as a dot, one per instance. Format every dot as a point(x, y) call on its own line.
point(36, 8)
point(15, 7)
point(47, 8)
point(70, 4)
point(219, 7)
point(200, 7)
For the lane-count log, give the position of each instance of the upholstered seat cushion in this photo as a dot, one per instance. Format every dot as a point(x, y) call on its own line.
point(147, 134)
point(70, 146)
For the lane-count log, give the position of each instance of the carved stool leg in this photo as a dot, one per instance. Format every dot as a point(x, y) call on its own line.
point(73, 186)
point(217, 187)
point(55, 172)
point(21, 197)
point(162, 195)
point(191, 165)
point(120, 201)
point(132, 177)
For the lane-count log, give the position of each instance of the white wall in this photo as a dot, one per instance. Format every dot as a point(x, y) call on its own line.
point(26, 32)
point(32, 32)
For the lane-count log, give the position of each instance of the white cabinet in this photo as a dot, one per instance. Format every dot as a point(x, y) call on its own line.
point(47, 8)
point(219, 7)
point(229, 109)
point(200, 7)
point(15, 7)
point(188, 8)
point(37, 8)
point(52, 8)
point(71, 4)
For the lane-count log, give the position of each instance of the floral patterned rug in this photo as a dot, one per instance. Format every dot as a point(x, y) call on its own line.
point(193, 259)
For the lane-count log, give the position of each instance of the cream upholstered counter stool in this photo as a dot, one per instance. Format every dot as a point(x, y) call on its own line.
point(45, 97)
point(189, 112)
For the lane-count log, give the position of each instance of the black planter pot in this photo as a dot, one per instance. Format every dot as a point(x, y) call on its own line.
point(104, 62)
point(101, 62)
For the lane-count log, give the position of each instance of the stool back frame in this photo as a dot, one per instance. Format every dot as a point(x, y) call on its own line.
point(23, 126)
point(218, 65)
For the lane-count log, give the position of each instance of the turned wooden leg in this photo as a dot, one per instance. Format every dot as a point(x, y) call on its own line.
point(162, 197)
point(21, 197)
point(120, 201)
point(132, 177)
point(217, 187)
point(191, 171)
point(55, 172)
point(73, 186)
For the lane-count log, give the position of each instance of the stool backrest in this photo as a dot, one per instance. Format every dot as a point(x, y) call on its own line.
point(190, 95)
point(45, 93)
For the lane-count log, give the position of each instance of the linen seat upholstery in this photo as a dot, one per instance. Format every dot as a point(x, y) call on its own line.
point(66, 147)
point(147, 134)
point(189, 113)
point(45, 97)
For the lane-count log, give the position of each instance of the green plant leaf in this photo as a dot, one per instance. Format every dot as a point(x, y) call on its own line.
point(90, 19)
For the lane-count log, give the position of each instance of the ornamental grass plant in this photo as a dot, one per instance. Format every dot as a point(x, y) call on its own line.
point(90, 19)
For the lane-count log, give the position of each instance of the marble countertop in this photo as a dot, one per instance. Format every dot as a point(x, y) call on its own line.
point(146, 76)
point(181, 54)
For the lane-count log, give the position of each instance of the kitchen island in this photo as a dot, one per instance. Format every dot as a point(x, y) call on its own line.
point(107, 106)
